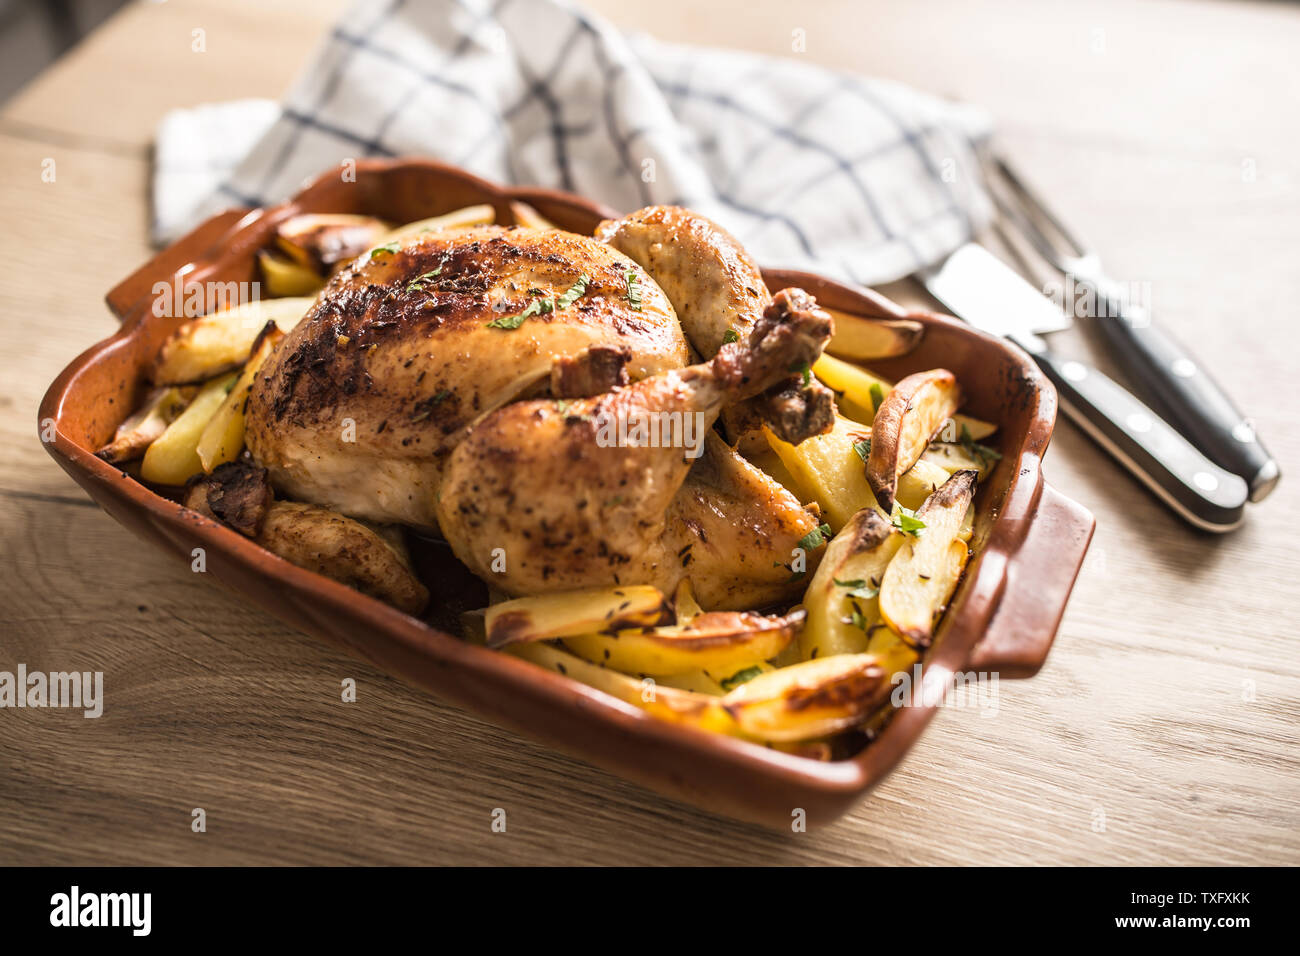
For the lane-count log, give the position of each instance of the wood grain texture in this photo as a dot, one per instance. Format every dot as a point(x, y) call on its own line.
point(1169, 704)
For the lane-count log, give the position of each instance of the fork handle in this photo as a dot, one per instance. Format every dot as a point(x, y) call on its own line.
point(1191, 400)
point(1197, 489)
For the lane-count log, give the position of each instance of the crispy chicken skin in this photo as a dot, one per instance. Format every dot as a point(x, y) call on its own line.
point(428, 387)
point(359, 406)
point(717, 288)
point(539, 484)
point(710, 279)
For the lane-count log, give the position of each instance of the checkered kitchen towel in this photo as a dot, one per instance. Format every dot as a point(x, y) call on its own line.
point(811, 169)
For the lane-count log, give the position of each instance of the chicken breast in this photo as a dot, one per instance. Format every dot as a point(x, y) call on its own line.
point(406, 349)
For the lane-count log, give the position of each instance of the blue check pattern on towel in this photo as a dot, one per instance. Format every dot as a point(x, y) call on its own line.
point(811, 169)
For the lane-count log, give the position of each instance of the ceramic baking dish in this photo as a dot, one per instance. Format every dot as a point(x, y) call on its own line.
point(1028, 541)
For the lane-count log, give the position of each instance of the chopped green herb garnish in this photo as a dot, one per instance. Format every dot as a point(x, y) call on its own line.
point(973, 448)
point(440, 396)
point(536, 307)
point(423, 279)
point(633, 290)
point(859, 619)
point(740, 677)
point(575, 292)
point(858, 588)
point(863, 448)
point(389, 247)
point(731, 335)
point(877, 396)
point(543, 306)
point(907, 522)
point(816, 537)
point(561, 405)
point(804, 372)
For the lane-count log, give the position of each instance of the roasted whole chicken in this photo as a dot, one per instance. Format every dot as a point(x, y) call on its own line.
point(547, 402)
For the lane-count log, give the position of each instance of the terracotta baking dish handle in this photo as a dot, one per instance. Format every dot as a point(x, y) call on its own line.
point(124, 296)
point(1039, 578)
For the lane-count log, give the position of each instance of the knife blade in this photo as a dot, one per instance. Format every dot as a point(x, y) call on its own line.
point(985, 292)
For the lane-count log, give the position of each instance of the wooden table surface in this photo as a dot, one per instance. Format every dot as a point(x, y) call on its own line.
point(1163, 729)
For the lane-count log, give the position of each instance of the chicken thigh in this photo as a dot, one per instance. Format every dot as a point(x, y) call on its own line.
point(551, 496)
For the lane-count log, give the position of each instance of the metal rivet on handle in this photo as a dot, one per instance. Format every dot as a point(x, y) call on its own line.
point(1074, 371)
point(1138, 422)
point(1205, 481)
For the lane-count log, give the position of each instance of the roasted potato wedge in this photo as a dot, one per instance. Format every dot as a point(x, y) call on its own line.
point(842, 598)
point(719, 642)
point(221, 341)
point(283, 277)
point(703, 711)
point(859, 337)
point(827, 469)
point(223, 438)
point(526, 215)
point(922, 575)
point(859, 392)
point(174, 458)
point(574, 613)
point(953, 457)
point(161, 407)
point(893, 651)
point(319, 242)
point(908, 418)
point(348, 551)
point(482, 215)
point(919, 482)
point(684, 604)
point(811, 699)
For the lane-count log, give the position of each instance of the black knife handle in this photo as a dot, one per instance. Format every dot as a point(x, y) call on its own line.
point(1185, 394)
point(1196, 488)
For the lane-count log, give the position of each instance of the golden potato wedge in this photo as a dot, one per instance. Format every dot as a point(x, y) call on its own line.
point(697, 682)
point(223, 438)
point(221, 341)
point(720, 642)
point(668, 703)
point(920, 578)
point(919, 482)
point(283, 277)
point(173, 458)
point(828, 469)
point(573, 613)
point(953, 457)
point(684, 604)
point(893, 651)
point(482, 215)
point(859, 392)
point(348, 551)
point(526, 215)
point(160, 408)
point(860, 337)
point(320, 241)
point(909, 417)
point(811, 699)
point(842, 598)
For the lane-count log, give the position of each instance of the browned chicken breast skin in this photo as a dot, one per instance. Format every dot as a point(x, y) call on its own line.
point(360, 405)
